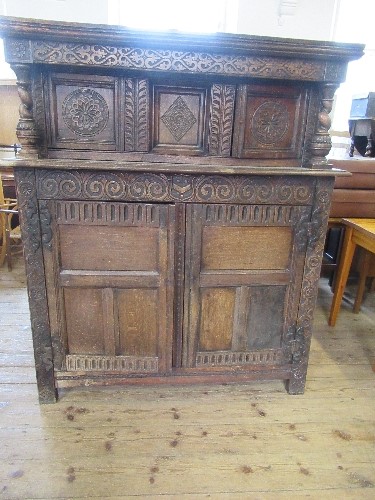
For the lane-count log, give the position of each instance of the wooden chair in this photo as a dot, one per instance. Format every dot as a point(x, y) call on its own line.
point(9, 227)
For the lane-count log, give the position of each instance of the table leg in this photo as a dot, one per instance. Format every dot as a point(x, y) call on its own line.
point(365, 268)
point(342, 275)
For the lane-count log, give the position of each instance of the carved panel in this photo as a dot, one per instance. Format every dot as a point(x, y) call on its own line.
point(137, 111)
point(162, 187)
point(32, 244)
point(221, 119)
point(83, 112)
point(269, 122)
point(180, 61)
point(179, 120)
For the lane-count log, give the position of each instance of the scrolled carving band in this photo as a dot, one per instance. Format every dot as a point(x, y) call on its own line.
point(148, 187)
point(215, 188)
point(163, 187)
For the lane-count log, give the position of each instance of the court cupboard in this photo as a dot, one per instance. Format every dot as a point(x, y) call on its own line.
point(174, 196)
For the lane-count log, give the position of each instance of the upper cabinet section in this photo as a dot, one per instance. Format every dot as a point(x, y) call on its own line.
point(234, 99)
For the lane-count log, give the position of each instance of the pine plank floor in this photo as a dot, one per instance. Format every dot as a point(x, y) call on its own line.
point(225, 441)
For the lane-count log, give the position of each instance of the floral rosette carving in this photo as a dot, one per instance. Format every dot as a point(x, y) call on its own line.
point(85, 112)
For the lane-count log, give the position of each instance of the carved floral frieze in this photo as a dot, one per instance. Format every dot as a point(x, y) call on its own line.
point(172, 60)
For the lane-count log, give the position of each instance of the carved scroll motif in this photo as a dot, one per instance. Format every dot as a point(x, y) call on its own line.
point(136, 115)
point(221, 119)
point(321, 143)
point(180, 61)
point(147, 187)
point(26, 129)
point(32, 242)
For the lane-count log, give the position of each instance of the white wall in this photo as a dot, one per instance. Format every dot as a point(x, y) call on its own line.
point(87, 11)
point(309, 19)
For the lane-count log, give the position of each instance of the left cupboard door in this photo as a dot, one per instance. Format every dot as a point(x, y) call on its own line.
point(110, 285)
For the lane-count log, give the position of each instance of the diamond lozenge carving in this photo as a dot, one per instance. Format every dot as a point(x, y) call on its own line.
point(178, 118)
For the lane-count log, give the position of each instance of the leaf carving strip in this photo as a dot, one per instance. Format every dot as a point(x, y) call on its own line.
point(221, 119)
point(180, 61)
point(169, 187)
point(136, 115)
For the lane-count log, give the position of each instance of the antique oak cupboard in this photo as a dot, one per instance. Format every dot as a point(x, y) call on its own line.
point(174, 196)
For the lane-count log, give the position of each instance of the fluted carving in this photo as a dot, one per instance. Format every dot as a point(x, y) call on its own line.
point(26, 129)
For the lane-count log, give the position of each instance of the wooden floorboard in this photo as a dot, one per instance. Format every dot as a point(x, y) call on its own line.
point(226, 441)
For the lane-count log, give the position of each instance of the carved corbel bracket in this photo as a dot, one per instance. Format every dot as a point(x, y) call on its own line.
point(321, 143)
point(26, 129)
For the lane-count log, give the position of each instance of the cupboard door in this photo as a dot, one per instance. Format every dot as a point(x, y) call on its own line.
point(243, 267)
point(113, 265)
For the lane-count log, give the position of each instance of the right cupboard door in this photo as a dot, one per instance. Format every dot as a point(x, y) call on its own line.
point(244, 267)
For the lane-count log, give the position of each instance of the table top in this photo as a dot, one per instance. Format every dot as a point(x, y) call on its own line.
point(364, 226)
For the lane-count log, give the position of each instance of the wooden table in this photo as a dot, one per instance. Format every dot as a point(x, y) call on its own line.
point(357, 232)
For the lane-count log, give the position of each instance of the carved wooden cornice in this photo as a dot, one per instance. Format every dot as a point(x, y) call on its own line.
point(33, 41)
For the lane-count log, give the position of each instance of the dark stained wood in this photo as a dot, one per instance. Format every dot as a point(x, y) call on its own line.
point(83, 112)
point(174, 195)
point(179, 120)
point(269, 121)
